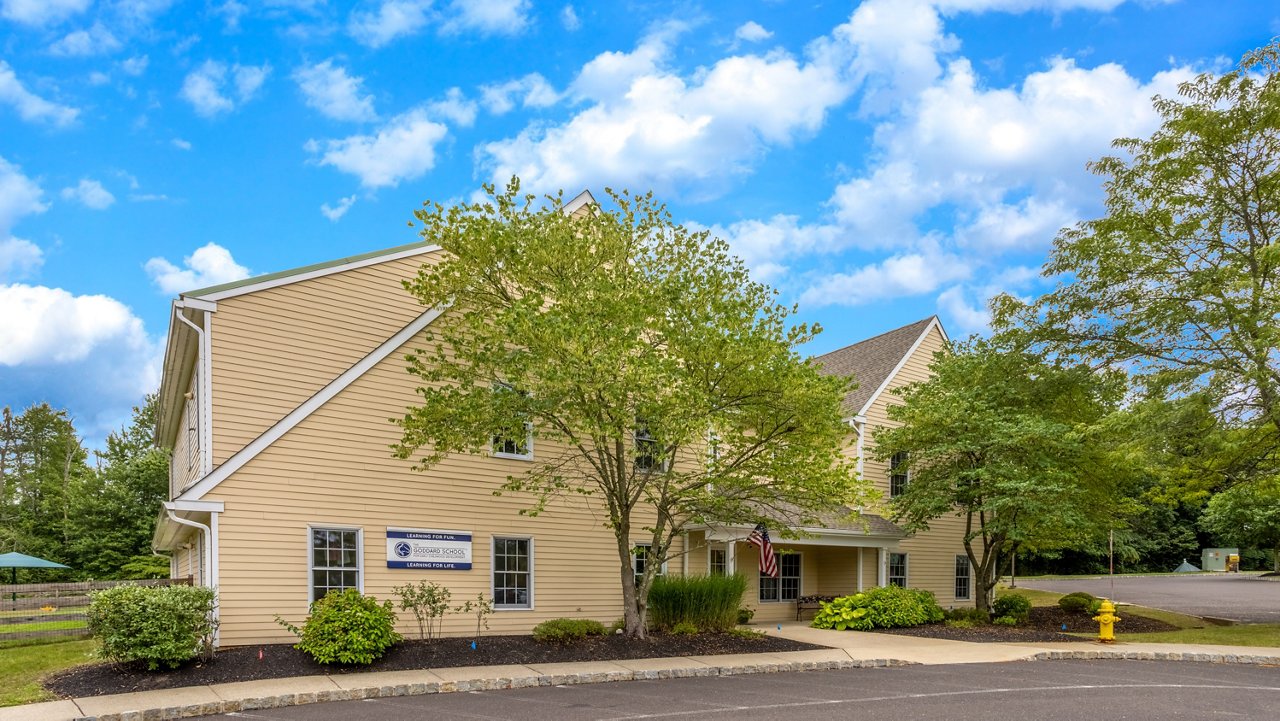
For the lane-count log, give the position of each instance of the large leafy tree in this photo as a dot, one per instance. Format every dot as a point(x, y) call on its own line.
point(1248, 516)
point(1180, 281)
point(655, 377)
point(1012, 445)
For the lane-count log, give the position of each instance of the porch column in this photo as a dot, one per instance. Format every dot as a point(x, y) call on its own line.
point(882, 557)
point(730, 557)
point(861, 551)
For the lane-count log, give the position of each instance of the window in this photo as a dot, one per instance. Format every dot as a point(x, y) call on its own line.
point(640, 557)
point(648, 451)
point(786, 587)
point(898, 478)
point(335, 560)
point(898, 569)
point(513, 445)
point(718, 562)
point(512, 573)
point(964, 577)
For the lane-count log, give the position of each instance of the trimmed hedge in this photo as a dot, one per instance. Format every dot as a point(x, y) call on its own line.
point(155, 625)
point(1077, 602)
point(882, 607)
point(708, 603)
point(561, 630)
point(346, 627)
point(1013, 605)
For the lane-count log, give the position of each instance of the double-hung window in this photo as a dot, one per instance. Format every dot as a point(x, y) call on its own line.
point(717, 561)
point(516, 442)
point(335, 560)
point(786, 587)
point(648, 450)
point(964, 578)
point(512, 573)
point(898, 474)
point(898, 569)
point(641, 557)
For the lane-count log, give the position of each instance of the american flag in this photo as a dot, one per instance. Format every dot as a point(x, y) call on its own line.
point(768, 559)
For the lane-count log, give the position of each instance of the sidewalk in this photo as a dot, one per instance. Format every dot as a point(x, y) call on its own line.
point(846, 649)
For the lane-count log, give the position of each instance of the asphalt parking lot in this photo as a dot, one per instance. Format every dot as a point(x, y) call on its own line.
point(1085, 690)
point(1238, 597)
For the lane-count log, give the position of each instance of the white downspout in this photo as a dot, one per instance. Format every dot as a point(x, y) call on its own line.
point(202, 382)
point(206, 558)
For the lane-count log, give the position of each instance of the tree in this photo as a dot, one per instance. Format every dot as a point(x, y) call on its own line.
point(1178, 281)
point(1248, 515)
point(657, 379)
point(1009, 443)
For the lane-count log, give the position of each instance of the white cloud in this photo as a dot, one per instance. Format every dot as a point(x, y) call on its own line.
point(18, 258)
point(402, 149)
point(1019, 6)
point(180, 144)
point(50, 325)
point(329, 89)
point(231, 12)
point(41, 12)
point(454, 107)
point(569, 18)
point(897, 276)
point(892, 47)
point(489, 17)
point(210, 264)
point(335, 213)
point(97, 40)
point(99, 78)
point(31, 107)
point(531, 91)
point(19, 196)
point(961, 314)
point(209, 92)
point(392, 19)
point(90, 194)
point(135, 66)
point(752, 32)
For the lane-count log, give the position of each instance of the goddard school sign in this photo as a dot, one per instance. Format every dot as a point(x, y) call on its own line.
point(427, 549)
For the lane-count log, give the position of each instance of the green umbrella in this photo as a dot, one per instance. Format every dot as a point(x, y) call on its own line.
point(22, 560)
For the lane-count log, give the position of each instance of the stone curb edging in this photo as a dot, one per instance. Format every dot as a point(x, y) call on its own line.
point(481, 684)
point(1122, 655)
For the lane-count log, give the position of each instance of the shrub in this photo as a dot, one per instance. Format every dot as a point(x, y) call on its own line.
point(745, 614)
point(684, 628)
point(708, 603)
point(346, 627)
point(1012, 605)
point(1094, 606)
point(481, 607)
point(746, 633)
point(972, 616)
point(1077, 602)
point(156, 625)
point(1005, 621)
point(561, 630)
point(429, 602)
point(960, 623)
point(883, 607)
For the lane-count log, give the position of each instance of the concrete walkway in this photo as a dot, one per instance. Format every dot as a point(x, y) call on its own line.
point(845, 649)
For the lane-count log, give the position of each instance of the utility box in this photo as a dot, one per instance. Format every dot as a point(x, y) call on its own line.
point(1217, 559)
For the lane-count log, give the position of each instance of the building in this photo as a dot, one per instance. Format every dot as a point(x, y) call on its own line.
point(276, 400)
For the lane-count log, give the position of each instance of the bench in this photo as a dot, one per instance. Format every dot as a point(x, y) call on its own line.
point(811, 603)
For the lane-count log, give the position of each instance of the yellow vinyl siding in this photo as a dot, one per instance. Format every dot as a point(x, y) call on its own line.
point(274, 348)
point(184, 464)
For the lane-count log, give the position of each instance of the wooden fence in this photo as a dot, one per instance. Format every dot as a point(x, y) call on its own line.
point(50, 610)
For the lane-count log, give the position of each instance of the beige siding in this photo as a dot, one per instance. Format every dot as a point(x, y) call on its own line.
point(184, 465)
point(274, 348)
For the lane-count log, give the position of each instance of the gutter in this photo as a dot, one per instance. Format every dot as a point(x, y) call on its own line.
point(208, 558)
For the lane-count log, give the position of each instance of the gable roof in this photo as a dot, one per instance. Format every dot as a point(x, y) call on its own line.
point(874, 361)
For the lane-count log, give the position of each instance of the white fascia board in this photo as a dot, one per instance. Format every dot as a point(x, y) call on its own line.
point(317, 273)
point(933, 323)
point(583, 198)
point(197, 304)
point(195, 506)
point(297, 415)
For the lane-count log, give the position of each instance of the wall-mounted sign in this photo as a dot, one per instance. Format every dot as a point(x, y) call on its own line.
point(428, 549)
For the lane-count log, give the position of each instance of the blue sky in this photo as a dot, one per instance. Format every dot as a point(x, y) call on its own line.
point(876, 161)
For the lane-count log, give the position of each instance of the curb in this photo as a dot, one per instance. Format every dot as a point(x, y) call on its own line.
point(1192, 656)
point(478, 684)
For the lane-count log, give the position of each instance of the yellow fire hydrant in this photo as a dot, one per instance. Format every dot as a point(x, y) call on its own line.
point(1107, 619)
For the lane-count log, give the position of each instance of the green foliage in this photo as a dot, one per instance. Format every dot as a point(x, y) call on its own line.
point(1006, 621)
point(561, 630)
point(481, 607)
point(151, 566)
point(745, 614)
point(1248, 515)
point(1077, 602)
point(347, 628)
point(747, 633)
point(428, 602)
point(683, 628)
point(709, 603)
point(960, 623)
point(972, 616)
point(1012, 605)
point(618, 624)
point(1094, 606)
point(154, 625)
point(881, 607)
point(608, 321)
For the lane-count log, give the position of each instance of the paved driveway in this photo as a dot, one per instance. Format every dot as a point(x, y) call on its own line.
point(1241, 598)
point(1085, 690)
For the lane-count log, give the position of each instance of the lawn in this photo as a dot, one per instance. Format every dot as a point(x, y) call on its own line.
point(22, 667)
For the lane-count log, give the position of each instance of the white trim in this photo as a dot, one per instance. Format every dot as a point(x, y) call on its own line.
point(580, 200)
point(207, 306)
point(311, 586)
point(860, 554)
point(969, 565)
point(297, 415)
point(933, 323)
point(493, 552)
point(906, 568)
point(882, 566)
point(635, 557)
point(528, 444)
point(196, 506)
point(317, 273)
point(799, 579)
point(723, 548)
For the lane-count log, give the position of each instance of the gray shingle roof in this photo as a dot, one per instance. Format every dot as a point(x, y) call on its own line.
point(870, 362)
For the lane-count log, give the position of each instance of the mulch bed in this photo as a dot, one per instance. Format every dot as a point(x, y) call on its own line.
point(282, 660)
point(1045, 625)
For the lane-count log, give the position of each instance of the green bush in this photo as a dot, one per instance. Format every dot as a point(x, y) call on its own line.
point(708, 603)
point(883, 607)
point(960, 623)
point(745, 615)
point(561, 630)
point(1077, 602)
point(346, 627)
point(1012, 605)
point(1005, 621)
point(428, 602)
point(972, 616)
point(683, 628)
point(1094, 606)
point(747, 633)
point(156, 625)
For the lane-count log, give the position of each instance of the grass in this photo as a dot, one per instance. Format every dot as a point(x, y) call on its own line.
point(61, 611)
point(22, 668)
point(1038, 598)
point(1139, 574)
point(42, 626)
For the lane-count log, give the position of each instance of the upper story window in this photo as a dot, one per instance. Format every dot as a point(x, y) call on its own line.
point(649, 455)
point(899, 476)
point(513, 445)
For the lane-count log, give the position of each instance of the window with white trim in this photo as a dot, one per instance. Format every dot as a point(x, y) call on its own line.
point(964, 577)
point(335, 560)
point(786, 587)
point(899, 476)
point(507, 444)
point(898, 569)
point(512, 573)
point(641, 556)
point(648, 451)
point(718, 561)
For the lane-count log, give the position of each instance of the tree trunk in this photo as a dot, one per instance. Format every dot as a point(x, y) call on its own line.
point(632, 610)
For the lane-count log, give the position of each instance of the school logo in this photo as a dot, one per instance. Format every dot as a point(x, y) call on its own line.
point(403, 549)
